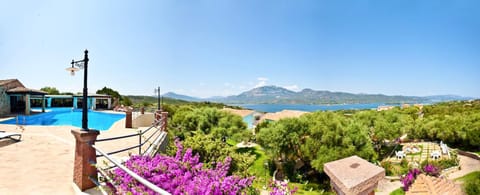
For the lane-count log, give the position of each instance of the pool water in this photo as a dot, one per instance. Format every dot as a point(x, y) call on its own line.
point(68, 116)
point(249, 120)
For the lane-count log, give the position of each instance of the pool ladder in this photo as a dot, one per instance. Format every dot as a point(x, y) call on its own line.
point(24, 120)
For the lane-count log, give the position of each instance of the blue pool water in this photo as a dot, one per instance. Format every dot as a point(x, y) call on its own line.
point(67, 116)
point(249, 120)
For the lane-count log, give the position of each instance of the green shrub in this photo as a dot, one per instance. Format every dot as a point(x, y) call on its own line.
point(473, 186)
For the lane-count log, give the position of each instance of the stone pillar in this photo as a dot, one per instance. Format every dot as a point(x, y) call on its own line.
point(164, 121)
point(109, 102)
point(27, 104)
point(128, 119)
point(353, 175)
point(94, 104)
point(84, 156)
point(43, 103)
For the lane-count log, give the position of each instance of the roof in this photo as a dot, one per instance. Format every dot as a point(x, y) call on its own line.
point(353, 174)
point(432, 185)
point(26, 90)
point(283, 114)
point(91, 95)
point(6, 81)
point(242, 113)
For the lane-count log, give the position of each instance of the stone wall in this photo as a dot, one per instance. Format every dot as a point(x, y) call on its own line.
point(4, 101)
point(144, 120)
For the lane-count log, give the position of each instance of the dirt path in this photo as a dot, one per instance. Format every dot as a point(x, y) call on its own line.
point(467, 166)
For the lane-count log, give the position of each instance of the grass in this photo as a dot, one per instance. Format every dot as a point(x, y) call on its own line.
point(469, 177)
point(398, 191)
point(471, 183)
point(262, 174)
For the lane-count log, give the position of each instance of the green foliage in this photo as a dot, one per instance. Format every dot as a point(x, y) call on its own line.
point(213, 150)
point(110, 92)
point(126, 101)
point(50, 90)
point(207, 120)
point(316, 138)
point(398, 191)
point(471, 183)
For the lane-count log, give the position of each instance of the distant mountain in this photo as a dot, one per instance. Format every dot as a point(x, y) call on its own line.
point(181, 97)
point(279, 95)
point(443, 98)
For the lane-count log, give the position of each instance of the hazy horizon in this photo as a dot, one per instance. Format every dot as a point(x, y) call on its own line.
point(221, 48)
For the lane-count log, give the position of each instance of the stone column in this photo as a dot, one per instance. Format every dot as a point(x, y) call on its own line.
point(109, 102)
point(27, 104)
point(128, 119)
point(94, 103)
point(164, 119)
point(353, 175)
point(84, 156)
point(43, 103)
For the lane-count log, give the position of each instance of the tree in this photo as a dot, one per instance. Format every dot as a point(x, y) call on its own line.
point(50, 90)
point(110, 92)
point(208, 120)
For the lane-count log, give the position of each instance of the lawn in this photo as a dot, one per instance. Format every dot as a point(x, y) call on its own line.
point(398, 191)
point(262, 175)
point(469, 177)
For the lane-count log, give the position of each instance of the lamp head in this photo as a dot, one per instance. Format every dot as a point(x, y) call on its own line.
point(72, 69)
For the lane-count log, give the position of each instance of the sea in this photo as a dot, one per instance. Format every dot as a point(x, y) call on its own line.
point(310, 107)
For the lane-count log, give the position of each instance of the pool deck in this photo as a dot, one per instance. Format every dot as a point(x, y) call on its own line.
point(42, 163)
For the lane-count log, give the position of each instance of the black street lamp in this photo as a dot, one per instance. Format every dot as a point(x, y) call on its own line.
point(159, 107)
point(82, 64)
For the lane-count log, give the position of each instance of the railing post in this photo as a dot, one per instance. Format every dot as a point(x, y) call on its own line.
point(84, 156)
point(140, 143)
point(128, 119)
point(164, 119)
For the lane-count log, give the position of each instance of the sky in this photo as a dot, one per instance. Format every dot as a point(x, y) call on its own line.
point(218, 48)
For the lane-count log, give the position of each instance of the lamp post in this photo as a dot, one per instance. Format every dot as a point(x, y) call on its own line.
point(82, 64)
point(158, 98)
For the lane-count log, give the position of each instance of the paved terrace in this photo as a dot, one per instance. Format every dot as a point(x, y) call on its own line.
point(42, 163)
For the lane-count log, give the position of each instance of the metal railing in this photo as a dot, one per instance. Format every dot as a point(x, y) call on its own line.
point(129, 172)
point(160, 140)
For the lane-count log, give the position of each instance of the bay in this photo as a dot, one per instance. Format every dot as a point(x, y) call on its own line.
point(310, 107)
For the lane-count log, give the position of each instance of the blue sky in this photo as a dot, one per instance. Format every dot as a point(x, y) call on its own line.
point(211, 48)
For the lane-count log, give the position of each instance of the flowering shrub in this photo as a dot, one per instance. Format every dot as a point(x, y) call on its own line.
point(281, 188)
point(182, 174)
point(408, 179)
point(432, 170)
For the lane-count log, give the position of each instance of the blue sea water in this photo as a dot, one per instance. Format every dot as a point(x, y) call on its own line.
point(310, 108)
point(67, 116)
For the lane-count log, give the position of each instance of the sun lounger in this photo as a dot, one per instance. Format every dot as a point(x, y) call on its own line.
point(4, 134)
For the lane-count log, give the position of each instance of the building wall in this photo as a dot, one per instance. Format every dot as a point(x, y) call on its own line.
point(4, 101)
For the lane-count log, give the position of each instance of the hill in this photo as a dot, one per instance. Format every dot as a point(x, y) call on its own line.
point(279, 95)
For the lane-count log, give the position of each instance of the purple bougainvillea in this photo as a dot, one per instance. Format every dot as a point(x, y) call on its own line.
point(431, 170)
point(408, 179)
point(182, 174)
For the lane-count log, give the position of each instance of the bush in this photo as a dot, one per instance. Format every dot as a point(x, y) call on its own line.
point(431, 170)
point(182, 174)
point(387, 165)
point(472, 187)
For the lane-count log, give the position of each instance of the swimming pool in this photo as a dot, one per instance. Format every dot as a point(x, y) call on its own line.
point(68, 116)
point(249, 120)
